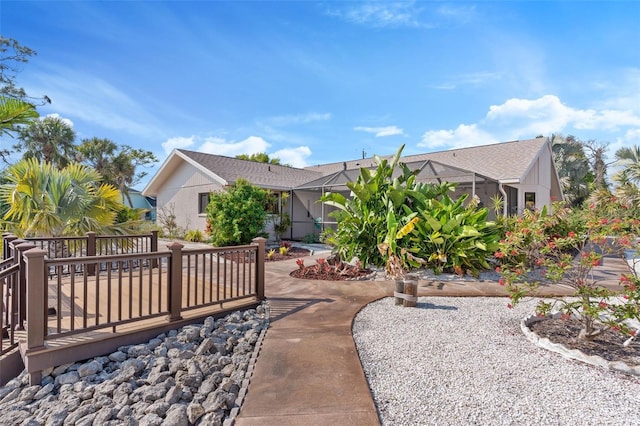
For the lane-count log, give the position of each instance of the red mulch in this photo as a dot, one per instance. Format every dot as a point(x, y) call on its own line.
point(326, 272)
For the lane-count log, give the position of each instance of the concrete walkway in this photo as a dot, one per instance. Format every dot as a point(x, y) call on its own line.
point(308, 371)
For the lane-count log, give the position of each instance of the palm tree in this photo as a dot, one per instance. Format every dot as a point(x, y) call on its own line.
point(50, 140)
point(573, 168)
point(13, 114)
point(629, 158)
point(46, 201)
point(116, 164)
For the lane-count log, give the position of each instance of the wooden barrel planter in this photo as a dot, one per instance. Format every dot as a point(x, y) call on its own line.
point(406, 292)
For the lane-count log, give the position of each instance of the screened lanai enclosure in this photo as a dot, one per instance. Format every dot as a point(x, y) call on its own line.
point(316, 215)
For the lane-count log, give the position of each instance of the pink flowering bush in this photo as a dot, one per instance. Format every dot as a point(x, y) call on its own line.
point(565, 248)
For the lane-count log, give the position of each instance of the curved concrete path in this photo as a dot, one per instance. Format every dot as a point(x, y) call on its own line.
point(308, 371)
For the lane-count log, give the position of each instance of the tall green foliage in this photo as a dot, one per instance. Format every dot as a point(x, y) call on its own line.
point(391, 220)
point(45, 201)
point(237, 215)
point(452, 236)
point(362, 219)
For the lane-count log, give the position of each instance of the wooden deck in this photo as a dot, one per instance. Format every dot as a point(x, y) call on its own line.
point(129, 299)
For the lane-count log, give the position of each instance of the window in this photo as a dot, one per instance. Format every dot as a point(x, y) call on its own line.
point(203, 201)
point(530, 200)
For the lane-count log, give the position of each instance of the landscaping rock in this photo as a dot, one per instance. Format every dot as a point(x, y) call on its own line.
point(186, 376)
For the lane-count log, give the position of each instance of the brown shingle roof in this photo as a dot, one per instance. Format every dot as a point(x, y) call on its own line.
point(500, 161)
point(265, 175)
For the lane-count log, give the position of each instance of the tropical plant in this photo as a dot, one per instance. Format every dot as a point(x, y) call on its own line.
point(399, 223)
point(452, 236)
point(362, 218)
point(573, 168)
point(395, 255)
point(50, 139)
point(14, 113)
point(118, 164)
point(629, 159)
point(194, 235)
point(237, 215)
point(45, 201)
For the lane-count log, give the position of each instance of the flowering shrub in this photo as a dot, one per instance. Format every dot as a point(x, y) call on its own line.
point(570, 258)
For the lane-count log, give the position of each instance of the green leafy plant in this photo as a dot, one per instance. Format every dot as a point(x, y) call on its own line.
point(237, 215)
point(311, 238)
point(447, 234)
point(194, 235)
point(362, 219)
point(452, 236)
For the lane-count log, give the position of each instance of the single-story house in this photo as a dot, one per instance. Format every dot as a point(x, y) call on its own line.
point(521, 172)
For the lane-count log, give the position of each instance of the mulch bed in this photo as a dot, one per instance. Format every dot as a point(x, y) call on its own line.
point(340, 272)
point(607, 345)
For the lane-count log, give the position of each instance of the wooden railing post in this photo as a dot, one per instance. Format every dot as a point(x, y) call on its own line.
point(91, 251)
point(21, 292)
point(154, 247)
point(36, 304)
point(7, 237)
point(175, 282)
point(260, 242)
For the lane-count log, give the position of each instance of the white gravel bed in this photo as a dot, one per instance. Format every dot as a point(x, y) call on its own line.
point(465, 361)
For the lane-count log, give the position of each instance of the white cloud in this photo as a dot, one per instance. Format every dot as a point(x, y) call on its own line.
point(381, 131)
point(463, 136)
point(527, 118)
point(218, 146)
point(548, 114)
point(64, 120)
point(177, 143)
point(296, 157)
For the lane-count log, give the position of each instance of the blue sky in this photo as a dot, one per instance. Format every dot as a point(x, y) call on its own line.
point(315, 82)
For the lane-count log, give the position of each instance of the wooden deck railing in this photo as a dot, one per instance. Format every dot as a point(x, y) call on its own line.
point(115, 293)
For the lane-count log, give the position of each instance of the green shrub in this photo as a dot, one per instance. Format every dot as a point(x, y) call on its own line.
point(194, 235)
point(398, 223)
point(311, 238)
point(452, 236)
point(237, 215)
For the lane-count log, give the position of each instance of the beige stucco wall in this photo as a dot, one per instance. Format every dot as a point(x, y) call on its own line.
point(180, 191)
point(538, 180)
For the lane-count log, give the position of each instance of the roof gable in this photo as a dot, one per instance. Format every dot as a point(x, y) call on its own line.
point(227, 170)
